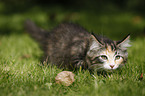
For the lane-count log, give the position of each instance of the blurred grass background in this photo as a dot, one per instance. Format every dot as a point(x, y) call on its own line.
point(113, 18)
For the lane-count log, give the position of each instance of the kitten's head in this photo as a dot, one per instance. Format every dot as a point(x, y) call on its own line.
point(105, 54)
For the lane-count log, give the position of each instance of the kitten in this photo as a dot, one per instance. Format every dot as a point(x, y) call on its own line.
point(71, 46)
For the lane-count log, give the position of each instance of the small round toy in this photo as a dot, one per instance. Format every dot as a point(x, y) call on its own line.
point(65, 78)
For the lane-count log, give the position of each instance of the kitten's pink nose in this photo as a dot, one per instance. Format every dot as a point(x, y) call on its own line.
point(111, 66)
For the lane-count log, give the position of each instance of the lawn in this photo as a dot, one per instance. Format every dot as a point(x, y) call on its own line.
point(22, 75)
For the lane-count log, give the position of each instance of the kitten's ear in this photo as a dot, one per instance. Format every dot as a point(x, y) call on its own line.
point(95, 42)
point(124, 43)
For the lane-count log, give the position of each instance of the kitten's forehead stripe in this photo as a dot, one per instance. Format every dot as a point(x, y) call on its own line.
point(115, 53)
point(109, 48)
point(113, 46)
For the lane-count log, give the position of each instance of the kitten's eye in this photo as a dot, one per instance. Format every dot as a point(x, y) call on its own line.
point(117, 57)
point(104, 57)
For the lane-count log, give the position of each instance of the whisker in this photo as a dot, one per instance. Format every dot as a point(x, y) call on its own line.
point(98, 65)
point(99, 68)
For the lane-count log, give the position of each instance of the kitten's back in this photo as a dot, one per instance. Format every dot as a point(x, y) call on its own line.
point(67, 43)
point(63, 45)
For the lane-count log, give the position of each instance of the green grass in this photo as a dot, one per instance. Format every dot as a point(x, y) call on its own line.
point(21, 74)
point(24, 77)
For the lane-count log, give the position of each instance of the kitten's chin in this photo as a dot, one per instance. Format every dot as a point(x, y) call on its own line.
point(105, 70)
point(110, 70)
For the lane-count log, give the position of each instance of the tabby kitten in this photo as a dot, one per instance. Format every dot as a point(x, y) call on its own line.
point(71, 46)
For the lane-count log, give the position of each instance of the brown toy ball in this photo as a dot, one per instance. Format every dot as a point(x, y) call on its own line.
point(65, 78)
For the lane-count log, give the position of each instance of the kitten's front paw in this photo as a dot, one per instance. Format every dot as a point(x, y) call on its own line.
point(80, 64)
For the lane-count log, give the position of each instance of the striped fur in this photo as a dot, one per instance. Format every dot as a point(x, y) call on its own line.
point(71, 46)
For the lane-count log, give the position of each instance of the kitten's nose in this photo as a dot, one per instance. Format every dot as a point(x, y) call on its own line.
point(111, 66)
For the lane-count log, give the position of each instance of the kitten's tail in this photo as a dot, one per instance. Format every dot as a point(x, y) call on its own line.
point(35, 32)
